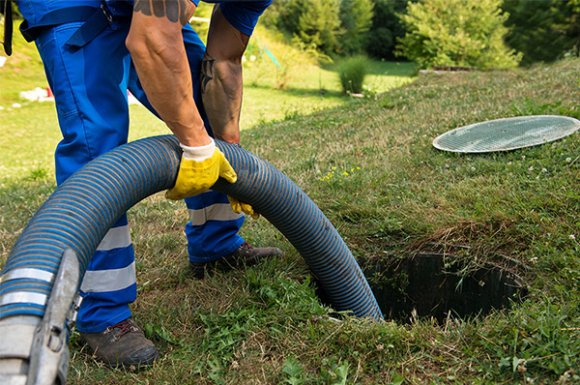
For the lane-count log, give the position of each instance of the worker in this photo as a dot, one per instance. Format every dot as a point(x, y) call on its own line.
point(93, 52)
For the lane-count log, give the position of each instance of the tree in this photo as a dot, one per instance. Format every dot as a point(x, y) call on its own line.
point(331, 26)
point(386, 28)
point(465, 33)
point(319, 24)
point(287, 13)
point(543, 30)
point(315, 22)
point(356, 18)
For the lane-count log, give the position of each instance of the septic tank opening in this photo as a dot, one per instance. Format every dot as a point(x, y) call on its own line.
point(441, 286)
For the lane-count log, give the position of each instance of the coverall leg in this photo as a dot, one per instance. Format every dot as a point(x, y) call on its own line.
point(90, 89)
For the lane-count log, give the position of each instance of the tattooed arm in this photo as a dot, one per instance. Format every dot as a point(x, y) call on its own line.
point(156, 46)
point(221, 77)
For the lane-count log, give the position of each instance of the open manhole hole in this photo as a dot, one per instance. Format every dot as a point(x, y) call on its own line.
point(441, 286)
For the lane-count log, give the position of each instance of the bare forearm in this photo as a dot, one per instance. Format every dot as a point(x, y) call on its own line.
point(221, 83)
point(221, 77)
point(158, 52)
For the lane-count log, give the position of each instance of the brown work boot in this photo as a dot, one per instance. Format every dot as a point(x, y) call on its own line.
point(245, 255)
point(123, 344)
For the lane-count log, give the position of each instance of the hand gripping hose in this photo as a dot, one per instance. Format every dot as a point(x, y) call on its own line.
point(79, 213)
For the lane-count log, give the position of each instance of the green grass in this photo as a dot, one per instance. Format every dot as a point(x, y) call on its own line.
point(21, 72)
point(308, 88)
point(370, 167)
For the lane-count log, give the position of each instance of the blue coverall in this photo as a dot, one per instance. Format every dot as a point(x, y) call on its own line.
point(90, 83)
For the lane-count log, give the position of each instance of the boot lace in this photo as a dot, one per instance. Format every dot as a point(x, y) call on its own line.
point(121, 328)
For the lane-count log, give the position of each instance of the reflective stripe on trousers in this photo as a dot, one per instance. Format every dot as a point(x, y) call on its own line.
point(90, 88)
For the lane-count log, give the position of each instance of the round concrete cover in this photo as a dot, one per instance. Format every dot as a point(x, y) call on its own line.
point(507, 134)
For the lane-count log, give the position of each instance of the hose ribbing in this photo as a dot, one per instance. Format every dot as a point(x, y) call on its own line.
point(80, 212)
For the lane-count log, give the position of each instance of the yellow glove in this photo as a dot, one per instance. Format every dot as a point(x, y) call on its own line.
point(239, 207)
point(199, 169)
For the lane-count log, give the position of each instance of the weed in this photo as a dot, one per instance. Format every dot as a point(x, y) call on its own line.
point(529, 106)
point(293, 372)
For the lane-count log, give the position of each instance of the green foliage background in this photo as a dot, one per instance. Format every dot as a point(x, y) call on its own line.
point(465, 33)
point(331, 26)
point(481, 34)
point(386, 28)
point(543, 30)
point(540, 30)
point(356, 19)
point(315, 22)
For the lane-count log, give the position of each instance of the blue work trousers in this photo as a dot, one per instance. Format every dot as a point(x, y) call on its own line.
point(90, 86)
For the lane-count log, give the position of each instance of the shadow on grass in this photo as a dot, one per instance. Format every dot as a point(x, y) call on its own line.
point(381, 68)
point(299, 91)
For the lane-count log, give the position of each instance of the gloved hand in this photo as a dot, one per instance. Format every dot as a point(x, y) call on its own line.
point(240, 207)
point(199, 169)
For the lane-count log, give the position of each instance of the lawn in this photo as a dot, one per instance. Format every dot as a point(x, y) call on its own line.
point(370, 167)
point(307, 88)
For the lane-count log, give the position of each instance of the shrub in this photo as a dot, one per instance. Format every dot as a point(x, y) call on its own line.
point(465, 33)
point(352, 72)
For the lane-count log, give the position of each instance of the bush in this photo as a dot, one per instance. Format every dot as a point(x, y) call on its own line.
point(464, 33)
point(356, 18)
point(386, 28)
point(352, 72)
point(543, 30)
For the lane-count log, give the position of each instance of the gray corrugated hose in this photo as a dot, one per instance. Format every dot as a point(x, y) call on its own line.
point(82, 209)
